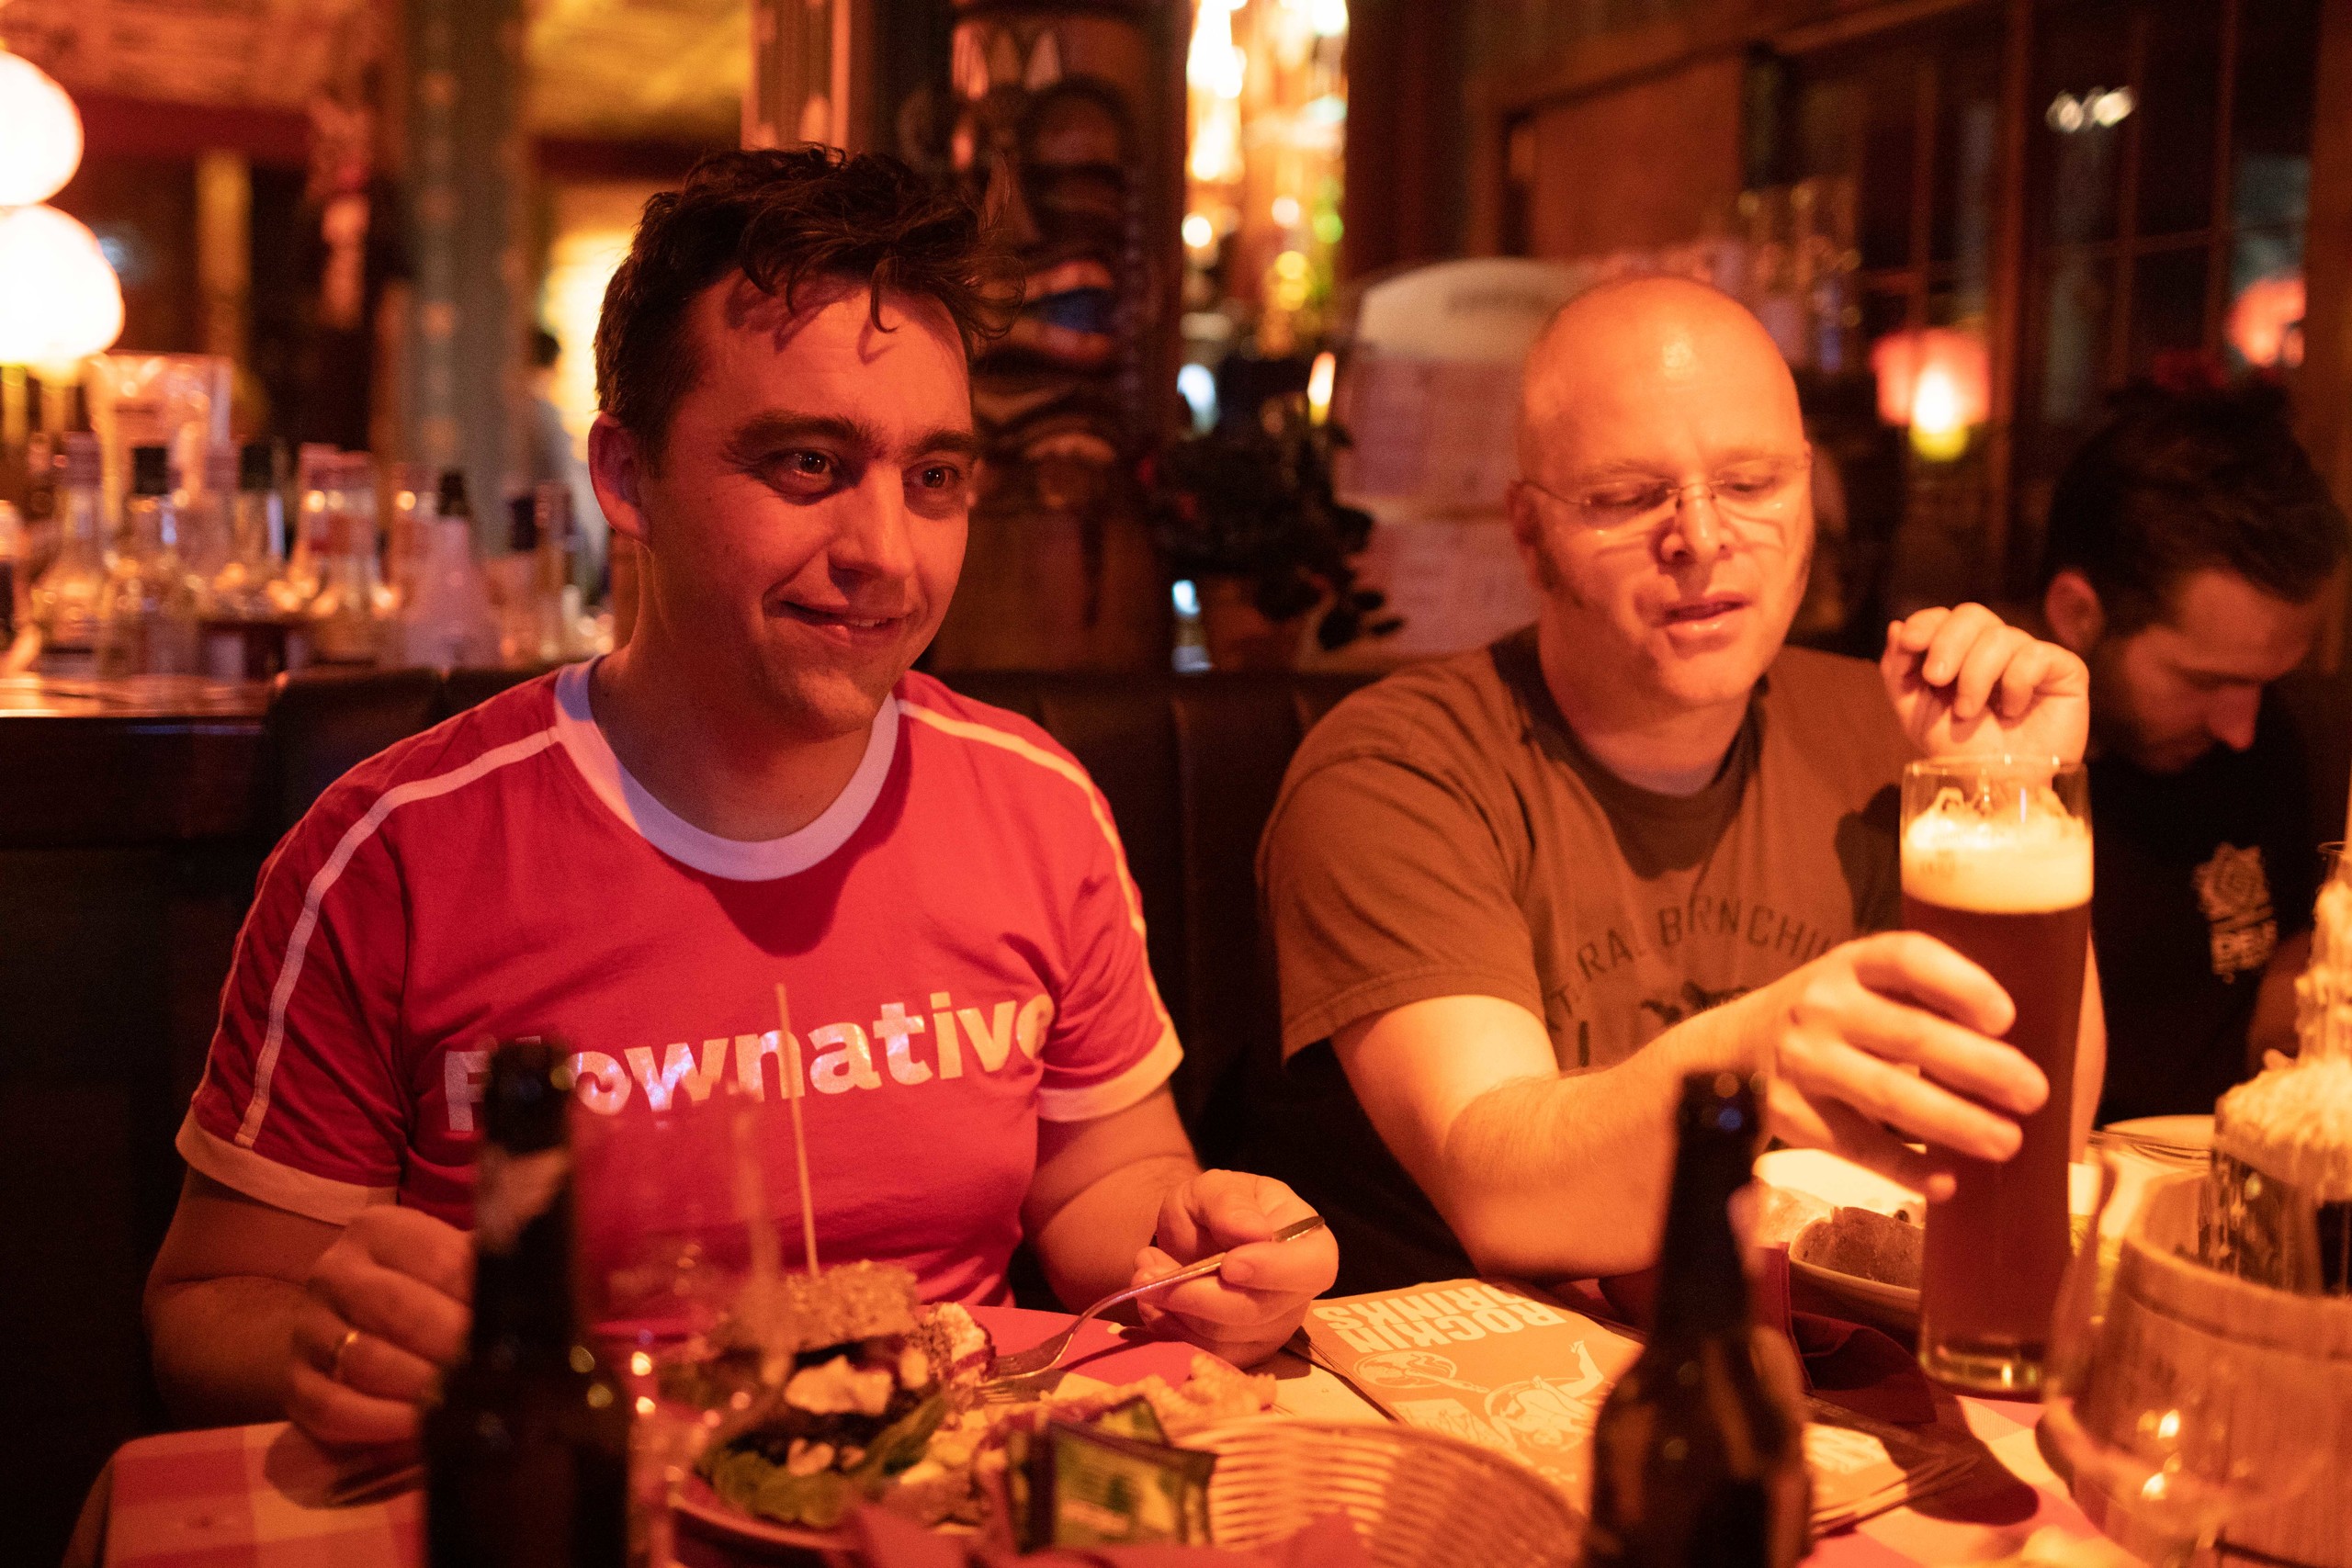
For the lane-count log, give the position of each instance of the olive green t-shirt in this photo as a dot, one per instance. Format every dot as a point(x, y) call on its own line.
point(1443, 833)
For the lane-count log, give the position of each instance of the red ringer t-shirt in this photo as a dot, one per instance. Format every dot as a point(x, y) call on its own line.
point(962, 944)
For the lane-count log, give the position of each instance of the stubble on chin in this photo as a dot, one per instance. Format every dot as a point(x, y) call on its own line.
point(816, 705)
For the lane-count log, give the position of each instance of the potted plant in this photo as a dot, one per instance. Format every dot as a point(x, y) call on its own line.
point(1248, 514)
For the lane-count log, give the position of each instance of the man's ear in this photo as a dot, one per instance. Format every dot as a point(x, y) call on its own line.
point(2070, 606)
point(616, 468)
point(1527, 533)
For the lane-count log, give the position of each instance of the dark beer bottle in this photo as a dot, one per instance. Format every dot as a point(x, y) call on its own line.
point(526, 1451)
point(1699, 1454)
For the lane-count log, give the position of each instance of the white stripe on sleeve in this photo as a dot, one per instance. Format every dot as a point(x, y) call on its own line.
point(354, 838)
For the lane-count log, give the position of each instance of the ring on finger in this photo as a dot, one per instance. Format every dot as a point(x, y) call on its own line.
point(342, 1348)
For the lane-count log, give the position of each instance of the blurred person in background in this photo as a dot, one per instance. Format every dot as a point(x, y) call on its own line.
point(2193, 556)
point(554, 459)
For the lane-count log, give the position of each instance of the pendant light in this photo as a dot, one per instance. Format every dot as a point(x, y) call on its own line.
point(60, 299)
point(43, 145)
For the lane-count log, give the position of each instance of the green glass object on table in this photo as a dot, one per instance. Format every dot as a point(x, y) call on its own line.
point(526, 1451)
point(1697, 1456)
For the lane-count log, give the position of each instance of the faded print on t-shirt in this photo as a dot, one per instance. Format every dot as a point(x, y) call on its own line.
point(1444, 833)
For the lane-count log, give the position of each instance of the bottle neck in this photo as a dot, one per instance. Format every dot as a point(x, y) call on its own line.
point(150, 527)
point(260, 527)
point(77, 527)
point(452, 544)
point(1703, 1287)
point(523, 1306)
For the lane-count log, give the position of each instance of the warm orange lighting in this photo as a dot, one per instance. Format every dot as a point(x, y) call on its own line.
point(1937, 381)
point(60, 299)
point(1318, 387)
point(43, 143)
point(2265, 322)
point(1936, 429)
point(1210, 62)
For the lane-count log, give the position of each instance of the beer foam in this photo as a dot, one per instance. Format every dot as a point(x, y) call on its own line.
point(2293, 1123)
point(2323, 994)
point(2030, 863)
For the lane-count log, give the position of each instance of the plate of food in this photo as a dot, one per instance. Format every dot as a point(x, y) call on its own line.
point(1857, 1237)
point(842, 1388)
point(1868, 1262)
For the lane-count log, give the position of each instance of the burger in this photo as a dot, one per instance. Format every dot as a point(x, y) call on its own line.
point(822, 1389)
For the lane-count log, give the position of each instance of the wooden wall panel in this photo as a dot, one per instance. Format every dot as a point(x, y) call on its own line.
point(2323, 394)
point(1645, 164)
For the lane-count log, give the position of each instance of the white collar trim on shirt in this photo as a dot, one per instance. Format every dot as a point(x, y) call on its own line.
point(738, 859)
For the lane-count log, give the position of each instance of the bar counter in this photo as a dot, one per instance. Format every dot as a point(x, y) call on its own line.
point(132, 827)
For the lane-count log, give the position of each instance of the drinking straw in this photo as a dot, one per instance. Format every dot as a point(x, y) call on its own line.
point(800, 1136)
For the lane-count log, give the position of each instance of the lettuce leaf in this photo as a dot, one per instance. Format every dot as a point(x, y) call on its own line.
point(752, 1483)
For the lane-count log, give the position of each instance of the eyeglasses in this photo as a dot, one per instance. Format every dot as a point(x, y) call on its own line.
point(1759, 491)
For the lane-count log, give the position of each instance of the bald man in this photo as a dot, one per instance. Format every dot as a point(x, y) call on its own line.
point(1517, 895)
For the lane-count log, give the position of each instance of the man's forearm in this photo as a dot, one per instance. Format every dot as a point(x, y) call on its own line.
point(1566, 1176)
point(222, 1348)
point(1089, 1248)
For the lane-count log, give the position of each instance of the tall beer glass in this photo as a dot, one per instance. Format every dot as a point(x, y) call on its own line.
point(1996, 863)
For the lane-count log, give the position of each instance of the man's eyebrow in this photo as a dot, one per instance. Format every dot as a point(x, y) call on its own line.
point(958, 442)
point(762, 433)
point(1638, 469)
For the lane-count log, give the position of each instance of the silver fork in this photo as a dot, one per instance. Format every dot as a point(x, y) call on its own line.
point(1021, 1376)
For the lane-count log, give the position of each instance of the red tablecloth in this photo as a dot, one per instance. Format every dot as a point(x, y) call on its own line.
point(249, 1497)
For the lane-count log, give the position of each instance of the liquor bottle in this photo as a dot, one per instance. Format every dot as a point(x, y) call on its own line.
point(252, 628)
point(453, 504)
point(207, 518)
point(348, 615)
point(66, 598)
point(1699, 1453)
point(12, 544)
point(513, 582)
point(408, 535)
point(147, 617)
point(41, 452)
point(447, 619)
point(527, 1450)
point(555, 585)
point(316, 473)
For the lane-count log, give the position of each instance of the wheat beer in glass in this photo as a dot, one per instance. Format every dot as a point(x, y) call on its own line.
point(1996, 863)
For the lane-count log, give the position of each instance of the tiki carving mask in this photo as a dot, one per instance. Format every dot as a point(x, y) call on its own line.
point(1038, 124)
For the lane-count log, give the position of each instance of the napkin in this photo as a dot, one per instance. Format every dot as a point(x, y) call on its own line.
point(1846, 1364)
point(885, 1539)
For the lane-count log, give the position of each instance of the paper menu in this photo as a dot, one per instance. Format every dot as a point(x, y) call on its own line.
point(1432, 435)
point(1497, 1365)
point(1486, 1363)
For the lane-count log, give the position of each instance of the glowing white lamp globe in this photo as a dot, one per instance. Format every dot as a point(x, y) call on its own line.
point(44, 144)
point(60, 299)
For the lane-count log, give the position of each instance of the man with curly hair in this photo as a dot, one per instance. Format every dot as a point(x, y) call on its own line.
point(629, 854)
